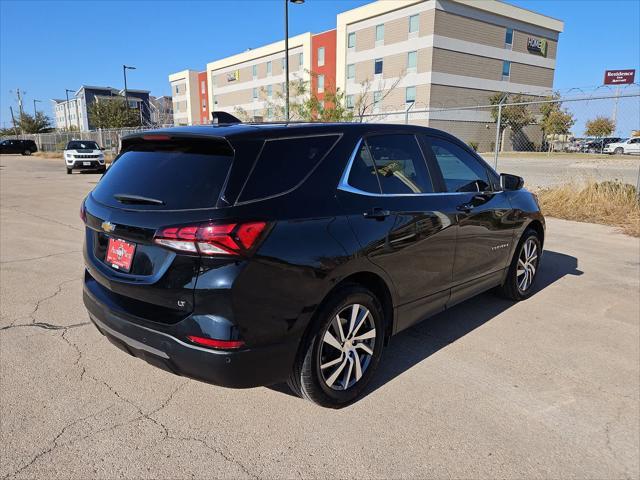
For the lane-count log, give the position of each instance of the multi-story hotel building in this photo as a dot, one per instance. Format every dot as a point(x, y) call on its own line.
point(442, 54)
point(428, 54)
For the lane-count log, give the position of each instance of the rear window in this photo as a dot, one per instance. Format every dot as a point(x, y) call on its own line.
point(283, 164)
point(181, 176)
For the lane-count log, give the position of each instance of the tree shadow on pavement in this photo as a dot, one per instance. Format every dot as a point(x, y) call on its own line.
point(419, 342)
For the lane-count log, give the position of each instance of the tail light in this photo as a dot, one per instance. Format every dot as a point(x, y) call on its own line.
point(83, 212)
point(214, 343)
point(212, 238)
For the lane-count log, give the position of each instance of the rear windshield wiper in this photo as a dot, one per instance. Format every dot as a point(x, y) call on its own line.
point(128, 198)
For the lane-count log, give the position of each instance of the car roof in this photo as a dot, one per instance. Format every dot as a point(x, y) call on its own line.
point(229, 131)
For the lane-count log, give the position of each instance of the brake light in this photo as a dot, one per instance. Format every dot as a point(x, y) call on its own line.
point(214, 343)
point(83, 212)
point(158, 138)
point(212, 238)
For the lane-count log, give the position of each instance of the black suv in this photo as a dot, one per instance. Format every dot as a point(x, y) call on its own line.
point(23, 147)
point(247, 255)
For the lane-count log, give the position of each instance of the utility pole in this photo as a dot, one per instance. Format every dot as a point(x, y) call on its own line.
point(15, 129)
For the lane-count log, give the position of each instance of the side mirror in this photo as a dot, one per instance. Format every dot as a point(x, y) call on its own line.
point(510, 182)
point(102, 148)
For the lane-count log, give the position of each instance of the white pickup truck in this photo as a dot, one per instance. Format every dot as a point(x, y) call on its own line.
point(629, 146)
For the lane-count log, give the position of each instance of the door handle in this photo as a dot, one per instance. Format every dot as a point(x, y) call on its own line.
point(465, 207)
point(377, 213)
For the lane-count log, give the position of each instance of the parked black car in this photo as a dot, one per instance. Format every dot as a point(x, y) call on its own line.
point(247, 255)
point(23, 147)
point(597, 146)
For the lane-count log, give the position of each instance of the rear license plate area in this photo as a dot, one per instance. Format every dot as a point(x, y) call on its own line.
point(120, 254)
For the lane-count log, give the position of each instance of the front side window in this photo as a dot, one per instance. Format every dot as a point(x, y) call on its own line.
point(413, 23)
point(379, 33)
point(462, 172)
point(351, 40)
point(391, 165)
point(284, 164)
point(351, 71)
point(320, 56)
point(377, 67)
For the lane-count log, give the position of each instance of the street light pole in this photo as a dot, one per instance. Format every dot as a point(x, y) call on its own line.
point(286, 55)
point(69, 110)
point(35, 110)
point(124, 72)
point(67, 120)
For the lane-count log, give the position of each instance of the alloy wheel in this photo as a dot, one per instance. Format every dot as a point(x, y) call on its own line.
point(347, 347)
point(527, 264)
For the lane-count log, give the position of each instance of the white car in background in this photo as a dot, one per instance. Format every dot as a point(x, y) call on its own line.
point(84, 155)
point(629, 146)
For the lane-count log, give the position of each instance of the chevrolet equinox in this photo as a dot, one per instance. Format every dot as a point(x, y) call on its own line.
point(246, 255)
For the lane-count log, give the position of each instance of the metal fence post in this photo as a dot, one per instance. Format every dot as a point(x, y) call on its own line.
point(497, 146)
point(638, 184)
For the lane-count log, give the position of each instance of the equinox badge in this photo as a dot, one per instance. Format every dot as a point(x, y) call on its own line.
point(108, 227)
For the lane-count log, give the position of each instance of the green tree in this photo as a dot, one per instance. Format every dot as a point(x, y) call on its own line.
point(557, 122)
point(599, 127)
point(38, 123)
point(113, 113)
point(514, 116)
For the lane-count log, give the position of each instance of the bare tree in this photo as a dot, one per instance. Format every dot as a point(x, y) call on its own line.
point(366, 102)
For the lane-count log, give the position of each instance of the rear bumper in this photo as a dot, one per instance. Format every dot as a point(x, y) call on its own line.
point(243, 368)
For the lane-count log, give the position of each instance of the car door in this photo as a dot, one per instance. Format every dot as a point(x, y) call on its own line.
point(485, 223)
point(388, 195)
point(633, 146)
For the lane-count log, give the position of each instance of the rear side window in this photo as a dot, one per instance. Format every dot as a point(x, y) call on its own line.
point(283, 164)
point(182, 175)
point(391, 164)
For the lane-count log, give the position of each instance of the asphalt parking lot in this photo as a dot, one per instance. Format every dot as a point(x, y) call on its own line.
point(547, 388)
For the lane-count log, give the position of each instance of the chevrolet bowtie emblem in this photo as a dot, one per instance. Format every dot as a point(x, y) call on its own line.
point(108, 227)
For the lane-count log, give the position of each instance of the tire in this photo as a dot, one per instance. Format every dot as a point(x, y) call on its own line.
point(27, 152)
point(69, 171)
point(326, 386)
point(529, 251)
point(619, 151)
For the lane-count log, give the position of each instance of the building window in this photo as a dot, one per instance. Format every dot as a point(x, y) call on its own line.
point(204, 105)
point(379, 34)
point(377, 99)
point(410, 95)
point(213, 80)
point(351, 40)
point(255, 93)
point(351, 71)
point(254, 71)
point(377, 66)
point(269, 68)
point(412, 61)
point(269, 112)
point(320, 83)
point(508, 38)
point(414, 23)
point(506, 69)
point(321, 56)
point(215, 102)
point(350, 101)
point(300, 60)
point(203, 87)
point(283, 62)
point(269, 91)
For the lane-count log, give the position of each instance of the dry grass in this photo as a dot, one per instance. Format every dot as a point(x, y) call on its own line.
point(607, 203)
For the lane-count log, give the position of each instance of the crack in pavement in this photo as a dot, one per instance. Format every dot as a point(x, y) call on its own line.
point(39, 302)
point(46, 219)
point(55, 443)
point(40, 258)
point(45, 326)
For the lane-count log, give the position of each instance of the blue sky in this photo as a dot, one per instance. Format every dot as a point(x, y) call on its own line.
point(47, 46)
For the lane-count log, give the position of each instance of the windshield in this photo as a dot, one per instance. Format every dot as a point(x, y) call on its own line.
point(82, 145)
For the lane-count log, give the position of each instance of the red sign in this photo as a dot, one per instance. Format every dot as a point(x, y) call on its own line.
point(120, 254)
point(619, 77)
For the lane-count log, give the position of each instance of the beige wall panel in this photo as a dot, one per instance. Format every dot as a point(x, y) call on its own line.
point(531, 75)
point(456, 63)
point(468, 29)
point(365, 39)
point(396, 30)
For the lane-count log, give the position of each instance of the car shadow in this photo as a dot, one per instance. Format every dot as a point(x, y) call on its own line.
point(419, 342)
